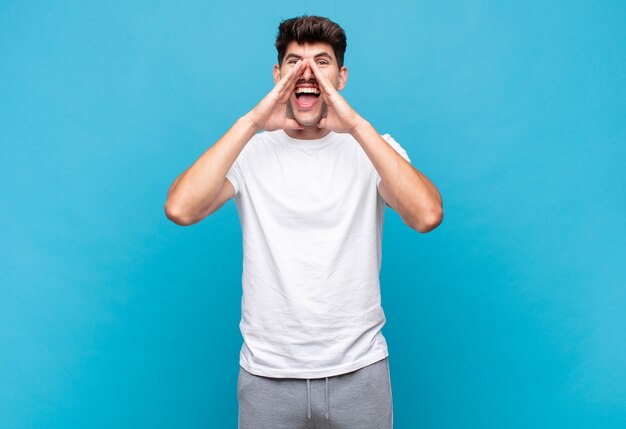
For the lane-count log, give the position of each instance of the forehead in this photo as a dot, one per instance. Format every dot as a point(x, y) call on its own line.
point(309, 50)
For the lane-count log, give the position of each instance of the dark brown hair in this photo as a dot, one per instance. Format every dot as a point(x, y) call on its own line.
point(311, 29)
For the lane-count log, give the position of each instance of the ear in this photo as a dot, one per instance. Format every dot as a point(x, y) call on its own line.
point(276, 73)
point(343, 77)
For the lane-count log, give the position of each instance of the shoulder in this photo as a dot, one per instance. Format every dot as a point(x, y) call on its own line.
point(260, 143)
point(387, 137)
point(267, 138)
point(397, 147)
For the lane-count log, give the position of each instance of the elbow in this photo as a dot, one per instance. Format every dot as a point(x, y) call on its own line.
point(428, 222)
point(176, 215)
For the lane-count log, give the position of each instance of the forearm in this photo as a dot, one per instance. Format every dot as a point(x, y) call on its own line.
point(194, 190)
point(408, 191)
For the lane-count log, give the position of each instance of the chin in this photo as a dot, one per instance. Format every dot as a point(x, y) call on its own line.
point(309, 122)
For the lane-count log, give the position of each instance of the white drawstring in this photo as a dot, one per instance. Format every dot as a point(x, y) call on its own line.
point(327, 398)
point(308, 397)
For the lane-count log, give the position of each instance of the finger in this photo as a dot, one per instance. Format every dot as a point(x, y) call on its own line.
point(326, 85)
point(288, 81)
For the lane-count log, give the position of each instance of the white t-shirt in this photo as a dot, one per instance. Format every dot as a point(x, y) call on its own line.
point(311, 219)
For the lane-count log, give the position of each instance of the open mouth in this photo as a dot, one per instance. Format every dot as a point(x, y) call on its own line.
point(306, 96)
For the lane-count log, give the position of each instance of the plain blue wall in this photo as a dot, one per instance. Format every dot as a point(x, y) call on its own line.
point(512, 314)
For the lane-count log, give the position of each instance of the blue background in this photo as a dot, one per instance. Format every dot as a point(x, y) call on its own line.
point(511, 314)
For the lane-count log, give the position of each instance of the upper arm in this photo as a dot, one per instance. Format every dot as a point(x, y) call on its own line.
point(226, 192)
point(382, 190)
point(384, 193)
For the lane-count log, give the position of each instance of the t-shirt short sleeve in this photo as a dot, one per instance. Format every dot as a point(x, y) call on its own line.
point(234, 175)
point(394, 144)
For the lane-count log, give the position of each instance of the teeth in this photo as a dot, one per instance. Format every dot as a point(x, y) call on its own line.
point(307, 91)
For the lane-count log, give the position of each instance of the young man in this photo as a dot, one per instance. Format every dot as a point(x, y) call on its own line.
point(310, 191)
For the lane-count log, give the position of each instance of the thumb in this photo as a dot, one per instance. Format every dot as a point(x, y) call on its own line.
point(292, 124)
point(323, 123)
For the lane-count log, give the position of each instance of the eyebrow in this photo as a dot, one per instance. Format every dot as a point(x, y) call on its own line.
point(321, 54)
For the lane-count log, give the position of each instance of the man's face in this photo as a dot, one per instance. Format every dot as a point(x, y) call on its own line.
point(306, 104)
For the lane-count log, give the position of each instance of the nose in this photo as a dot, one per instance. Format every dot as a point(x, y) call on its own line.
point(307, 73)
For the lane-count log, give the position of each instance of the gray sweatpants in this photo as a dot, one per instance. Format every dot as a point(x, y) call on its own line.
point(359, 399)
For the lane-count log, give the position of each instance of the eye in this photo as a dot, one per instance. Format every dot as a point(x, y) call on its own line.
point(322, 62)
point(292, 61)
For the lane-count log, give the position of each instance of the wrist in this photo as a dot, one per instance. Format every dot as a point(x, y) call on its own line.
point(360, 125)
point(249, 121)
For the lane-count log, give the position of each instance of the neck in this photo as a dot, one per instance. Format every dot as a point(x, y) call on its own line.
point(313, 133)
